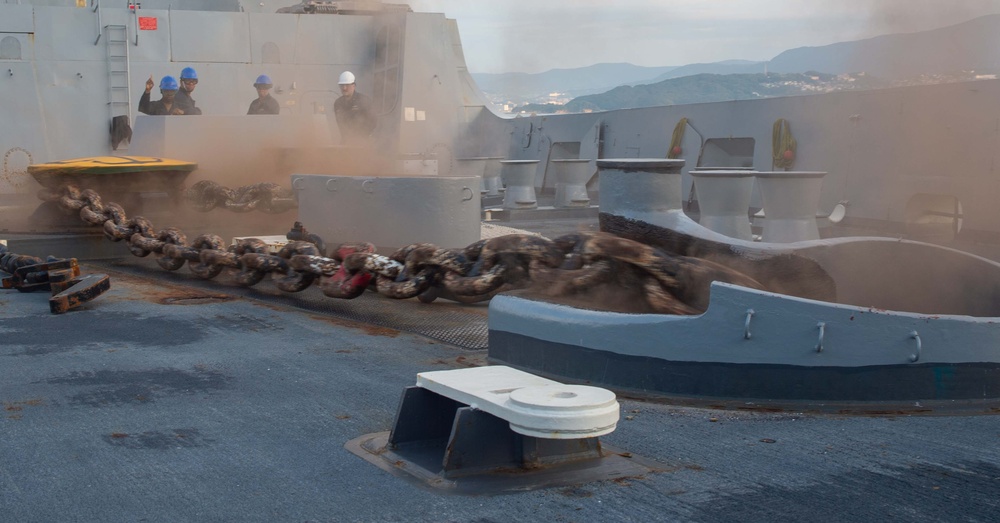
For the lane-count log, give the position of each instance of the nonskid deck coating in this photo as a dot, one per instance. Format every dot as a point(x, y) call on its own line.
point(138, 407)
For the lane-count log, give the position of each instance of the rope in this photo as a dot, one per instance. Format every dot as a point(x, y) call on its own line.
point(783, 145)
point(675, 140)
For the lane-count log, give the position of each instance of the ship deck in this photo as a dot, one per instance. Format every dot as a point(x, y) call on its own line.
point(173, 399)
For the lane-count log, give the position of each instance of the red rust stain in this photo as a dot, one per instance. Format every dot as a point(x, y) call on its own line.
point(760, 409)
point(18, 406)
point(372, 330)
point(183, 297)
point(460, 361)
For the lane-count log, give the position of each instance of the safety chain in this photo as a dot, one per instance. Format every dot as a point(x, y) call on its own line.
point(564, 266)
point(264, 197)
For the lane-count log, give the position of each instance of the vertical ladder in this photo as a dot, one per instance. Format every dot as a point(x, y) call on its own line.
point(119, 86)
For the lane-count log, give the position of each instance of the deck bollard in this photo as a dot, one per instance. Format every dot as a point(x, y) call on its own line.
point(571, 178)
point(724, 200)
point(640, 188)
point(519, 177)
point(790, 199)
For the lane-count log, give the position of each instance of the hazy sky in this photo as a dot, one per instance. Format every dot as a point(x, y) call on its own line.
point(538, 35)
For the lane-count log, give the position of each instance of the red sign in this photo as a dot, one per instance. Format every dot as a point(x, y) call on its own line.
point(147, 23)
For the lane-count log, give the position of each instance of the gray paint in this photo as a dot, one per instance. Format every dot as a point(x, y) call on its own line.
point(880, 148)
point(519, 178)
point(64, 72)
point(570, 177)
point(390, 211)
point(883, 149)
point(641, 188)
point(724, 199)
point(790, 199)
point(784, 330)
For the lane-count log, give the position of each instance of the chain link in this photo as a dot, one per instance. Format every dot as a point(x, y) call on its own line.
point(271, 198)
point(569, 265)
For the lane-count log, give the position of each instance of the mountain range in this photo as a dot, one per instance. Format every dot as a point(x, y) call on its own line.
point(964, 47)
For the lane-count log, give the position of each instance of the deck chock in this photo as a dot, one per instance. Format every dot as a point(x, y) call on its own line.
point(496, 429)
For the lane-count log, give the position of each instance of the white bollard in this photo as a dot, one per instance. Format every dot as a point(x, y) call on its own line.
point(724, 200)
point(790, 199)
point(571, 178)
point(492, 176)
point(640, 188)
point(519, 177)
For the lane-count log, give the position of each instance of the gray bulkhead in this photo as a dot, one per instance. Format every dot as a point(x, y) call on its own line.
point(897, 156)
point(55, 72)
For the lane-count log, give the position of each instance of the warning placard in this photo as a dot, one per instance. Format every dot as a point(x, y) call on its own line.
point(147, 23)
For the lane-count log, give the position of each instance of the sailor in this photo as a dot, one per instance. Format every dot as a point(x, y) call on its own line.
point(189, 79)
point(265, 103)
point(354, 112)
point(167, 105)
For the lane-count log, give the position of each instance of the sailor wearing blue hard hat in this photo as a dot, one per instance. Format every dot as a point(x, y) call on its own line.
point(264, 103)
point(189, 79)
point(167, 104)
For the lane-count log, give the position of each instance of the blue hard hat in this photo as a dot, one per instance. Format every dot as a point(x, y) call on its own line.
point(188, 73)
point(263, 80)
point(169, 83)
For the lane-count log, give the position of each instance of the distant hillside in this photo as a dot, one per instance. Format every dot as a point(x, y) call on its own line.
point(584, 80)
point(726, 67)
point(949, 51)
point(708, 88)
point(971, 45)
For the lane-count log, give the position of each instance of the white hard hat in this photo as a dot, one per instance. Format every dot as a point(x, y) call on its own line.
point(346, 78)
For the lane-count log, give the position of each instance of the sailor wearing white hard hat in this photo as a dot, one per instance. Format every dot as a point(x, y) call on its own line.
point(354, 113)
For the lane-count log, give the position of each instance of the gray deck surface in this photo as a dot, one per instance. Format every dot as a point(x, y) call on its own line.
point(164, 402)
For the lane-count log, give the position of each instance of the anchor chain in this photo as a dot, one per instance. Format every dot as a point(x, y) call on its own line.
point(570, 265)
point(265, 197)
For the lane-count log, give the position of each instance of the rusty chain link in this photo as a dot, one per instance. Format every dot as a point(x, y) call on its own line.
point(568, 265)
point(264, 197)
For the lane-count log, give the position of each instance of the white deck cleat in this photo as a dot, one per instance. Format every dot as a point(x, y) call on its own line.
point(534, 406)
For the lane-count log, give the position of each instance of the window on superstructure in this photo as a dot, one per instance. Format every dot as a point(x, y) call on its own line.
point(270, 54)
point(10, 48)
